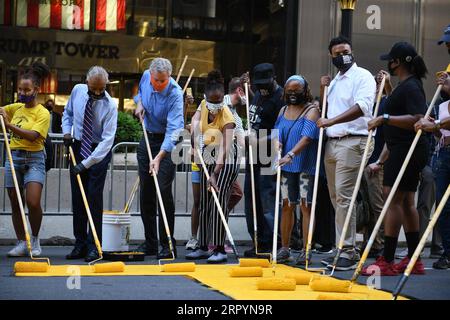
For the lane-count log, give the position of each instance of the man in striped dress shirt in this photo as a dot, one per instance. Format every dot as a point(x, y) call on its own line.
point(89, 125)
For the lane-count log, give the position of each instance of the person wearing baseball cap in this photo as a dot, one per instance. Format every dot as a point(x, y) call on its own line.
point(263, 112)
point(404, 107)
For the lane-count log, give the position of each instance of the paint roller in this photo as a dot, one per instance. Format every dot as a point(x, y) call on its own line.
point(316, 184)
point(329, 284)
point(423, 240)
point(252, 180)
point(393, 190)
point(178, 267)
point(246, 262)
point(277, 284)
point(246, 272)
point(276, 216)
point(219, 207)
point(110, 267)
point(160, 201)
point(358, 182)
point(23, 266)
point(280, 284)
point(301, 278)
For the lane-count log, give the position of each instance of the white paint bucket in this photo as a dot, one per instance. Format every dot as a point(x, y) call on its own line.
point(115, 231)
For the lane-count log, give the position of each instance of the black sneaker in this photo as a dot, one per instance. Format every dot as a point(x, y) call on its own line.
point(443, 263)
point(436, 252)
point(250, 253)
point(344, 264)
point(145, 249)
point(301, 259)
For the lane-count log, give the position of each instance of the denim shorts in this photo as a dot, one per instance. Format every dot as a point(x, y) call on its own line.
point(296, 186)
point(196, 177)
point(29, 167)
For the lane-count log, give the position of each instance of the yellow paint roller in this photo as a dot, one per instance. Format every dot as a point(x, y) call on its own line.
point(278, 284)
point(263, 263)
point(111, 267)
point(24, 266)
point(21, 267)
point(328, 284)
point(178, 267)
point(246, 272)
point(301, 278)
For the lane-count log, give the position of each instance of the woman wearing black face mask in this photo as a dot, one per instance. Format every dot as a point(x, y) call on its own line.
point(403, 108)
point(298, 134)
point(28, 123)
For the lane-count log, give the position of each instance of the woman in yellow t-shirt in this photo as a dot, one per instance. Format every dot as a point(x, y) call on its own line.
point(28, 123)
point(220, 152)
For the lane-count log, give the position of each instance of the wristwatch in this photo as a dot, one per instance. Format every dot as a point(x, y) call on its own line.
point(291, 155)
point(385, 118)
point(437, 124)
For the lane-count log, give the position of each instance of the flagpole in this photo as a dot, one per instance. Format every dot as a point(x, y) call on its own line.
point(93, 16)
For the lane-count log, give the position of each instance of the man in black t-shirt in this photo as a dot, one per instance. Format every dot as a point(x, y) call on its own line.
point(264, 109)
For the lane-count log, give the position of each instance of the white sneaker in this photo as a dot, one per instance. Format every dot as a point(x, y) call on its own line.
point(20, 250)
point(217, 257)
point(197, 254)
point(35, 246)
point(192, 244)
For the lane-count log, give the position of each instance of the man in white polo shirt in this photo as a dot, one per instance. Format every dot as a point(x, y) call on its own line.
point(351, 96)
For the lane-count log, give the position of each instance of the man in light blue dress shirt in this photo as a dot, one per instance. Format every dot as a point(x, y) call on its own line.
point(160, 106)
point(89, 125)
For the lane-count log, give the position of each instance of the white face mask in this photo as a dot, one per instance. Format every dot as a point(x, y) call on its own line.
point(214, 108)
point(243, 100)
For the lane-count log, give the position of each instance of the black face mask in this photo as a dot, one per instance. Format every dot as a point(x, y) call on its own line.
point(295, 99)
point(343, 62)
point(94, 96)
point(391, 69)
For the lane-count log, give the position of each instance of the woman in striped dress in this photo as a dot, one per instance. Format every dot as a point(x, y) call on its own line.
point(220, 154)
point(298, 135)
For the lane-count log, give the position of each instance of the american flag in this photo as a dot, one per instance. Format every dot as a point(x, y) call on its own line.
point(65, 14)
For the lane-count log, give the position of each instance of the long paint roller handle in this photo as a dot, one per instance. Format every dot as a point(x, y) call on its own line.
point(158, 191)
point(380, 220)
point(86, 205)
point(16, 186)
point(219, 207)
point(182, 68)
point(316, 178)
point(188, 80)
point(421, 244)
point(252, 173)
point(277, 209)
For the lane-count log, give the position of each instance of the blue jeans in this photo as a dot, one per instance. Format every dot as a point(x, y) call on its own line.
point(441, 170)
point(29, 167)
point(265, 205)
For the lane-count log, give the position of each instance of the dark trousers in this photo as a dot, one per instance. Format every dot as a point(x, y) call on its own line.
point(441, 169)
point(325, 231)
point(149, 201)
point(265, 190)
point(93, 183)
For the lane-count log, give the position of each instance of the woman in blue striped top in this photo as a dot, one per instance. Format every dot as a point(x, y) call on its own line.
point(298, 136)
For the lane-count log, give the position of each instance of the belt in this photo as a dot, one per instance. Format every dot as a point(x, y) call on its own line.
point(349, 136)
point(152, 135)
